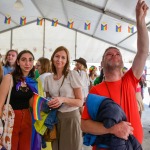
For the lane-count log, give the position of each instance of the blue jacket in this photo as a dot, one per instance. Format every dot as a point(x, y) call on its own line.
point(105, 110)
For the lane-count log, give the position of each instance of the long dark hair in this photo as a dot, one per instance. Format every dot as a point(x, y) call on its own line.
point(66, 67)
point(6, 62)
point(17, 73)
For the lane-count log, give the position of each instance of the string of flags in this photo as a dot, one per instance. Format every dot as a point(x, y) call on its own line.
point(87, 24)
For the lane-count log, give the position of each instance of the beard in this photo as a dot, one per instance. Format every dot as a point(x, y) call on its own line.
point(111, 66)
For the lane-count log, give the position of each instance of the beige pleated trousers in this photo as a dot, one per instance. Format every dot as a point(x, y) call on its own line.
point(68, 131)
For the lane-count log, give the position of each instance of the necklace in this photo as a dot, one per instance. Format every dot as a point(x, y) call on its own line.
point(110, 93)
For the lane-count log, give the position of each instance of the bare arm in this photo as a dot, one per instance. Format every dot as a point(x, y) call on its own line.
point(4, 89)
point(121, 130)
point(77, 101)
point(142, 39)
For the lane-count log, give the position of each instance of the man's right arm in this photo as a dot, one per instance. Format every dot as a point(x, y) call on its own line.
point(121, 130)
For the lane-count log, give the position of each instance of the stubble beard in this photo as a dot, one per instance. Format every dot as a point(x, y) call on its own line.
point(113, 66)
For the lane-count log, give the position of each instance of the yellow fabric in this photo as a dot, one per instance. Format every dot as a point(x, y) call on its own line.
point(49, 147)
point(40, 89)
point(39, 124)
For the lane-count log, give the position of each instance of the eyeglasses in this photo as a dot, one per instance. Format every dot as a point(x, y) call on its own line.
point(38, 65)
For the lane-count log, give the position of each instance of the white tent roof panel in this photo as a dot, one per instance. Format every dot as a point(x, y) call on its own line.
point(76, 40)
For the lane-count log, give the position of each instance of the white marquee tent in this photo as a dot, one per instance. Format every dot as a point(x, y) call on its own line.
point(89, 44)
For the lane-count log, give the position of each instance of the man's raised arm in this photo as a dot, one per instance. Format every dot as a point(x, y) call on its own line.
point(142, 39)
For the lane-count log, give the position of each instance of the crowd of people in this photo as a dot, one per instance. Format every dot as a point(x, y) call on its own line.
point(67, 91)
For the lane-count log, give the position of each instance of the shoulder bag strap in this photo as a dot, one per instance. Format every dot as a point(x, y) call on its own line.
point(9, 93)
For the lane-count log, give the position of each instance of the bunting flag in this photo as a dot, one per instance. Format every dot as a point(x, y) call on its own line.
point(37, 103)
point(7, 19)
point(130, 28)
point(54, 22)
point(87, 25)
point(70, 23)
point(39, 21)
point(118, 27)
point(22, 20)
point(104, 26)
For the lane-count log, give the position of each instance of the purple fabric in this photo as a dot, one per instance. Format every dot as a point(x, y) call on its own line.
point(37, 142)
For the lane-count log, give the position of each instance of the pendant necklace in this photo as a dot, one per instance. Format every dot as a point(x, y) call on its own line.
point(110, 93)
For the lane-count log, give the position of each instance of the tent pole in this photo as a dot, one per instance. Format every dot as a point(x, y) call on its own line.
point(75, 44)
point(44, 38)
point(11, 38)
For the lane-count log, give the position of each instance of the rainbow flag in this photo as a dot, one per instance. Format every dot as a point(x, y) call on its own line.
point(87, 25)
point(22, 20)
point(104, 26)
point(39, 21)
point(54, 22)
point(118, 27)
point(70, 24)
point(130, 29)
point(37, 103)
point(7, 19)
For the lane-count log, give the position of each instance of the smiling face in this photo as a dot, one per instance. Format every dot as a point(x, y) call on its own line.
point(11, 57)
point(112, 59)
point(38, 67)
point(60, 59)
point(26, 63)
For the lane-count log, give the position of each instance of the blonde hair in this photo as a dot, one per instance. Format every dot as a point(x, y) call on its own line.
point(45, 65)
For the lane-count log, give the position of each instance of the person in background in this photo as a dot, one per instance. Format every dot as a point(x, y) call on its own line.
point(100, 78)
point(65, 89)
point(44, 68)
point(10, 60)
point(143, 84)
point(20, 98)
point(1, 72)
point(81, 68)
point(120, 88)
point(139, 99)
point(92, 75)
point(36, 72)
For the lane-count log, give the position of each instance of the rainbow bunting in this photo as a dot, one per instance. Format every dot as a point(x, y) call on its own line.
point(104, 26)
point(22, 20)
point(54, 22)
point(7, 19)
point(130, 28)
point(39, 21)
point(118, 27)
point(87, 25)
point(37, 103)
point(70, 24)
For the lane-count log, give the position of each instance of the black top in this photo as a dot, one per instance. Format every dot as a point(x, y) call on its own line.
point(20, 99)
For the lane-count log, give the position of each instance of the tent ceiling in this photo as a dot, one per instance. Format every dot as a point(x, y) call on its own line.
point(97, 11)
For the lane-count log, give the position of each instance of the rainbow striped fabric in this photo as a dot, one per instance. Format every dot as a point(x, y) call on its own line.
point(118, 27)
point(130, 29)
point(39, 21)
point(104, 26)
point(87, 25)
point(70, 24)
point(37, 103)
point(7, 19)
point(22, 20)
point(54, 22)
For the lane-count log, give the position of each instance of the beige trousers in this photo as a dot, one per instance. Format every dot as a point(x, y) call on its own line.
point(68, 131)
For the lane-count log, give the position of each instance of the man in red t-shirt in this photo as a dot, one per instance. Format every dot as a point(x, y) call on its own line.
point(122, 88)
